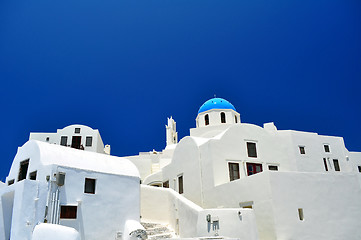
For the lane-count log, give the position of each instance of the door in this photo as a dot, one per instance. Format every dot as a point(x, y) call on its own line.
point(75, 142)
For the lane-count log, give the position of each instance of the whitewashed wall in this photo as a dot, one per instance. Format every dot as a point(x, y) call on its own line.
point(189, 220)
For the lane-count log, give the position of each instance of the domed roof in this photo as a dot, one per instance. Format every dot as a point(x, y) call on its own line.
point(216, 103)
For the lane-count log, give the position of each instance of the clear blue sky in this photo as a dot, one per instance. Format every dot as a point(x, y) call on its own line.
point(124, 66)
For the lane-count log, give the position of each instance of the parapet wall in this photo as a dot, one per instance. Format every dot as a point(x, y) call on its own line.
point(164, 205)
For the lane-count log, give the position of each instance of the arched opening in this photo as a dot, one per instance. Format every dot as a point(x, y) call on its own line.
point(235, 119)
point(223, 117)
point(206, 119)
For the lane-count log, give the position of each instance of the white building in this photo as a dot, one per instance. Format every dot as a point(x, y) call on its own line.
point(97, 196)
point(299, 185)
point(75, 136)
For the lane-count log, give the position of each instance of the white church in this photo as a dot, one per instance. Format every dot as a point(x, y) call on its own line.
point(227, 180)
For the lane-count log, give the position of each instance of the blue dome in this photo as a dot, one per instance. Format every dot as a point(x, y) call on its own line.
point(216, 103)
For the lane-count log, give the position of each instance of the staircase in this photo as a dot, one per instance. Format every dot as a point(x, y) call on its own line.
point(157, 231)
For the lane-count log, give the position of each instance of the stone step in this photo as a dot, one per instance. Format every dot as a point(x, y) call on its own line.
point(157, 230)
point(160, 236)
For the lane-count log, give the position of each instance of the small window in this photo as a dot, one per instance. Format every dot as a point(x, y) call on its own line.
point(206, 119)
point(302, 150)
point(88, 141)
point(336, 165)
point(32, 175)
point(272, 167)
point(89, 186)
point(300, 214)
point(327, 148)
point(77, 130)
point(10, 182)
point(47, 139)
point(23, 170)
point(223, 117)
point(63, 140)
point(166, 184)
point(325, 164)
point(180, 184)
point(68, 212)
point(233, 171)
point(235, 119)
point(359, 168)
point(251, 149)
point(253, 168)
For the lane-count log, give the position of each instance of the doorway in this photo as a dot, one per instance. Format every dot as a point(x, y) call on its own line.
point(75, 142)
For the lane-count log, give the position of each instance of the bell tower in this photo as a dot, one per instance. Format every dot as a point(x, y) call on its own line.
point(171, 132)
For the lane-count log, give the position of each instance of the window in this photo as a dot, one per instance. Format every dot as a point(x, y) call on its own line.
point(272, 167)
point(32, 175)
point(223, 117)
point(166, 184)
point(359, 168)
point(180, 184)
point(68, 212)
point(47, 139)
point(23, 169)
point(235, 119)
point(77, 130)
point(327, 148)
point(251, 149)
point(300, 214)
point(64, 140)
point(253, 168)
point(88, 141)
point(11, 182)
point(336, 165)
point(233, 171)
point(325, 164)
point(302, 149)
point(89, 186)
point(206, 119)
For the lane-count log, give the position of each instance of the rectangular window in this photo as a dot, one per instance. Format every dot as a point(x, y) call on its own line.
point(233, 171)
point(64, 141)
point(68, 212)
point(327, 148)
point(325, 163)
point(302, 149)
point(336, 165)
point(300, 214)
point(253, 168)
point(88, 141)
point(32, 175)
point(166, 184)
point(23, 169)
point(89, 186)
point(10, 182)
point(180, 184)
point(251, 149)
point(272, 167)
point(77, 130)
point(359, 168)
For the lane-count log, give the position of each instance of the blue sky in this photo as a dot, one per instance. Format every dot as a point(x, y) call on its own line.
point(124, 66)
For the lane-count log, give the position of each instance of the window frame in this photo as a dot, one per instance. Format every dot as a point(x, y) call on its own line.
point(90, 183)
point(86, 141)
point(180, 184)
point(231, 171)
point(302, 149)
point(223, 117)
point(325, 145)
point(253, 165)
point(206, 119)
point(336, 165)
point(21, 175)
point(66, 140)
point(66, 215)
point(249, 153)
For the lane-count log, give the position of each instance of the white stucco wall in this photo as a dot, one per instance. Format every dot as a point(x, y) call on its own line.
point(189, 220)
point(69, 131)
point(99, 216)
